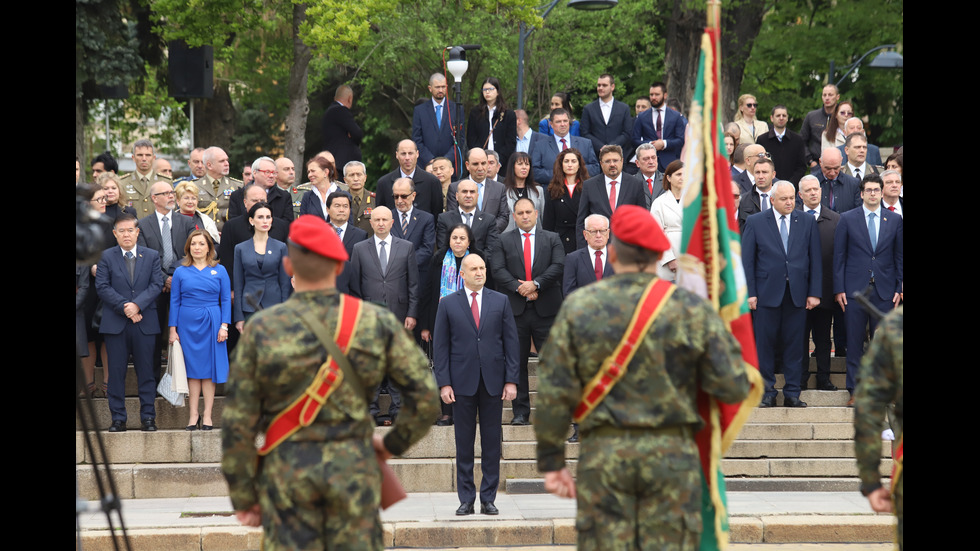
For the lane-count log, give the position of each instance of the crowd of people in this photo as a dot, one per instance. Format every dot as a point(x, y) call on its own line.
point(820, 212)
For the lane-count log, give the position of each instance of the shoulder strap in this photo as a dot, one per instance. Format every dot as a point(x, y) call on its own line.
point(614, 366)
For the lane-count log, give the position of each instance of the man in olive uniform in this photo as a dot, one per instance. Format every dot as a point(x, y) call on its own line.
point(638, 482)
point(881, 383)
point(135, 186)
point(216, 186)
point(362, 200)
point(320, 487)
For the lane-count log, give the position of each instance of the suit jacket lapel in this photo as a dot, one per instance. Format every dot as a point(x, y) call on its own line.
point(794, 231)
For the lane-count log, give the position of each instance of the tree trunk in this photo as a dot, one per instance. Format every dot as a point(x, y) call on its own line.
point(214, 119)
point(739, 28)
point(299, 104)
point(683, 47)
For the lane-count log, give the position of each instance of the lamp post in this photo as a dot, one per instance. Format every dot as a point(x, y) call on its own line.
point(887, 60)
point(589, 5)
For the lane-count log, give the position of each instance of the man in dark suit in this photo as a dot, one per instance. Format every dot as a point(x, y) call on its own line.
point(338, 210)
point(548, 147)
point(129, 279)
point(750, 155)
point(475, 365)
point(607, 121)
point(588, 264)
point(868, 254)
point(608, 191)
point(661, 126)
point(432, 123)
point(492, 197)
point(818, 320)
point(759, 197)
point(275, 186)
point(856, 125)
point(383, 270)
point(413, 224)
point(787, 148)
point(165, 233)
point(841, 192)
point(341, 134)
point(781, 257)
point(646, 164)
point(483, 226)
point(527, 268)
point(427, 188)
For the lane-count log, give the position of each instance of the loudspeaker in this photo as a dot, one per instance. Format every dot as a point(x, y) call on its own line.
point(191, 71)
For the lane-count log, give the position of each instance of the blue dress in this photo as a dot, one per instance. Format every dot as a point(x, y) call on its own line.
point(200, 301)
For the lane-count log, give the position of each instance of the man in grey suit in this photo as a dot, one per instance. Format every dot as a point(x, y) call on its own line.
point(164, 231)
point(548, 147)
point(653, 179)
point(492, 194)
point(383, 270)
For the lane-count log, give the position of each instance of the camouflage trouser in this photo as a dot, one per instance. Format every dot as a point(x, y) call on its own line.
point(638, 492)
point(318, 495)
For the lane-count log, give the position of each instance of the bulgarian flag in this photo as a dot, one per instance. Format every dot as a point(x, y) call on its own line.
point(711, 266)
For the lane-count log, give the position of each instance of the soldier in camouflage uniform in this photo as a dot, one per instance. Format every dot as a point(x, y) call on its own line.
point(216, 186)
point(320, 488)
point(881, 384)
point(135, 186)
point(638, 481)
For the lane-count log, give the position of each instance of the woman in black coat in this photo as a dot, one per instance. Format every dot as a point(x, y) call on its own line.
point(562, 196)
point(491, 124)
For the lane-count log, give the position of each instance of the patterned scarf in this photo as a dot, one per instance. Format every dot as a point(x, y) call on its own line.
point(449, 280)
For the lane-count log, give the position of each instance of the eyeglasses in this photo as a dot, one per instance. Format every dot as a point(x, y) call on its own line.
point(871, 191)
point(164, 193)
point(596, 233)
point(267, 172)
point(402, 195)
point(490, 89)
point(99, 200)
point(762, 156)
point(751, 105)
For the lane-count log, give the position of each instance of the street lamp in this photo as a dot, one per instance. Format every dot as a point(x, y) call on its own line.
point(887, 60)
point(589, 5)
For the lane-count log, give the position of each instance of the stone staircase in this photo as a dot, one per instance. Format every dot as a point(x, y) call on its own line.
point(779, 449)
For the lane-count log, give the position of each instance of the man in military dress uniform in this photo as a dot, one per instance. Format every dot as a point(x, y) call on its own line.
point(881, 383)
point(362, 200)
point(318, 486)
point(638, 482)
point(136, 186)
point(216, 186)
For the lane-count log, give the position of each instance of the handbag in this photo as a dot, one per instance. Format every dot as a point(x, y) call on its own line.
point(173, 384)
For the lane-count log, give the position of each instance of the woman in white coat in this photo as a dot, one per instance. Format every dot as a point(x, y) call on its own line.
point(668, 211)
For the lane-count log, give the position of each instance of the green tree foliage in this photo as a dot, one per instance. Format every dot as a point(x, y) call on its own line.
point(791, 58)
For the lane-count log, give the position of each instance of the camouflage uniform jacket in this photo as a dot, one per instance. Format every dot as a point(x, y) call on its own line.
point(686, 347)
point(881, 383)
point(276, 360)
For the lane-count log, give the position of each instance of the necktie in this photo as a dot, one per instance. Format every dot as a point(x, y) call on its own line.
point(469, 219)
point(383, 257)
point(871, 231)
point(891, 209)
point(479, 198)
point(598, 265)
point(780, 139)
point(764, 201)
point(404, 223)
point(131, 265)
point(650, 185)
point(168, 244)
point(356, 211)
point(830, 186)
point(784, 233)
point(813, 212)
point(439, 116)
point(659, 125)
point(612, 195)
point(336, 229)
point(857, 173)
point(527, 257)
point(564, 145)
point(476, 310)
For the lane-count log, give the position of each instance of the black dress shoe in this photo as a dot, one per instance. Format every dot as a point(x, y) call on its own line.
point(488, 508)
point(207, 427)
point(768, 402)
point(148, 425)
point(827, 386)
point(445, 421)
point(118, 426)
point(465, 509)
point(574, 437)
point(520, 420)
point(793, 402)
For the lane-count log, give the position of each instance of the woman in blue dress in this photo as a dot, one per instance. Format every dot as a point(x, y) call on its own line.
point(200, 311)
point(258, 270)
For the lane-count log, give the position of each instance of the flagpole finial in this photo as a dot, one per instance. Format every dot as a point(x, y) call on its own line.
point(713, 14)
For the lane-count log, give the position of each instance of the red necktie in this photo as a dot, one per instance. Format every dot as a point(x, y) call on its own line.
point(891, 209)
point(650, 185)
point(659, 126)
point(598, 265)
point(527, 257)
point(612, 195)
point(476, 310)
point(564, 145)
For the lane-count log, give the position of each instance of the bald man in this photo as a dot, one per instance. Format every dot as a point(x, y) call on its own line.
point(341, 133)
point(428, 190)
point(841, 192)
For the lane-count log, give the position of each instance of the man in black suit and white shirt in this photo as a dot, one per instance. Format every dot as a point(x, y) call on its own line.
point(427, 186)
point(527, 268)
point(341, 134)
point(482, 225)
point(608, 191)
point(413, 224)
point(548, 147)
point(338, 210)
point(606, 121)
point(492, 194)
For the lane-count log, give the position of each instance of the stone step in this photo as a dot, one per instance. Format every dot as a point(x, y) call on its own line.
point(806, 450)
point(795, 467)
point(802, 415)
point(797, 431)
point(790, 484)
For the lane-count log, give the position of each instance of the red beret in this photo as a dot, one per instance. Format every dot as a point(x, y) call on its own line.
point(636, 226)
point(313, 233)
